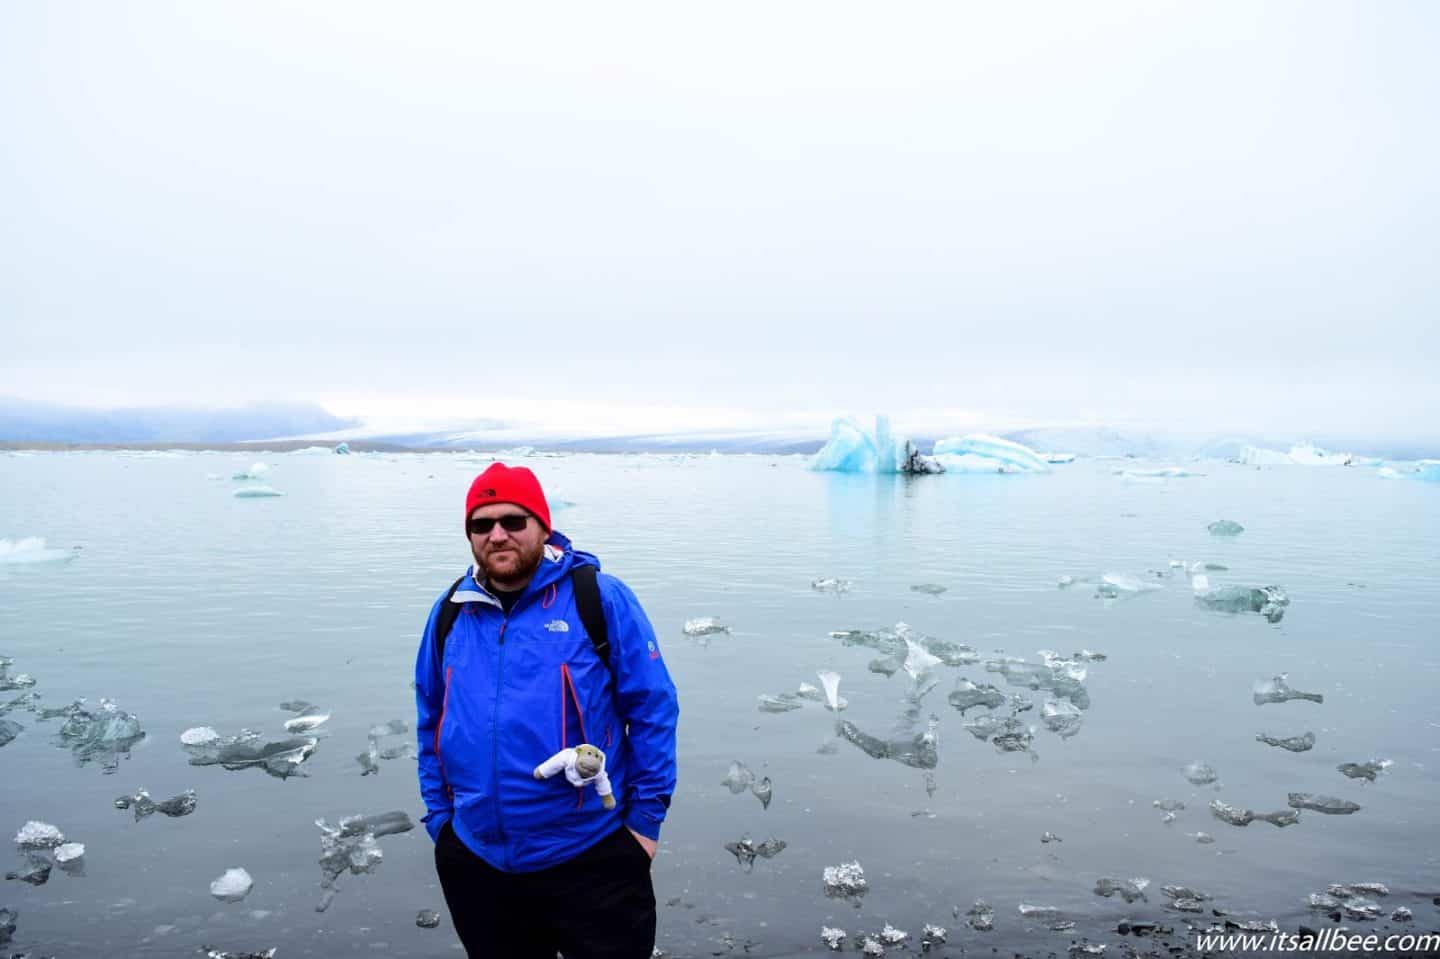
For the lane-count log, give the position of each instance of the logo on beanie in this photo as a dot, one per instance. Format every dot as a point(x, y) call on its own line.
point(485, 492)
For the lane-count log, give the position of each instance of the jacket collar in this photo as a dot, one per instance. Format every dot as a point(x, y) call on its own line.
point(558, 558)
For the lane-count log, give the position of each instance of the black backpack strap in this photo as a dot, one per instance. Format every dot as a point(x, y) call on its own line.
point(445, 621)
point(592, 612)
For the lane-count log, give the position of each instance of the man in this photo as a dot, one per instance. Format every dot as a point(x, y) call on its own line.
point(530, 865)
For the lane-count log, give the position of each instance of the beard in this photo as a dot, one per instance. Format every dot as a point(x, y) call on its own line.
point(510, 567)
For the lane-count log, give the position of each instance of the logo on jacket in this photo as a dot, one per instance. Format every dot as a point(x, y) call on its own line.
point(654, 650)
point(558, 626)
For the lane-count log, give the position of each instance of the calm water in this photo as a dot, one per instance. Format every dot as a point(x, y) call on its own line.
point(190, 607)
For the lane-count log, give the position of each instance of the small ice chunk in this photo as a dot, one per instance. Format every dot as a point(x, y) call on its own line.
point(1225, 527)
point(739, 778)
point(1402, 914)
point(255, 471)
point(968, 695)
point(1062, 717)
point(932, 936)
point(918, 660)
point(885, 665)
point(783, 703)
point(1269, 601)
point(7, 925)
point(105, 734)
point(1201, 773)
point(1185, 892)
point(212, 953)
point(1203, 838)
point(833, 938)
point(427, 919)
point(980, 916)
point(198, 736)
point(1367, 770)
point(704, 626)
point(1352, 890)
point(1123, 586)
point(303, 724)
point(1323, 804)
point(1282, 818)
point(38, 835)
point(1234, 815)
point(1048, 836)
point(351, 846)
point(763, 791)
point(1168, 805)
point(830, 680)
point(1088, 656)
point(280, 759)
point(233, 886)
point(9, 729)
point(69, 852)
point(394, 727)
point(1127, 889)
point(929, 589)
point(1049, 916)
point(297, 706)
point(891, 936)
point(36, 871)
point(174, 807)
point(829, 584)
point(1277, 690)
point(918, 751)
point(1295, 744)
point(810, 691)
point(746, 850)
point(845, 881)
point(31, 549)
point(256, 492)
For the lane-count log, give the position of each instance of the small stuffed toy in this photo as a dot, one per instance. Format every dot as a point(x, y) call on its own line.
point(582, 765)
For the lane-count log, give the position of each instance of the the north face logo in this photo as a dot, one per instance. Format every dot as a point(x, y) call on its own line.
point(558, 626)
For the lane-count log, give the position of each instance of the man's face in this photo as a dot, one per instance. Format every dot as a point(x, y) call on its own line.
point(507, 557)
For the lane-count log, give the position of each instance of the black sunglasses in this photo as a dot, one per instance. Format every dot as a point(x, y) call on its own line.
point(510, 523)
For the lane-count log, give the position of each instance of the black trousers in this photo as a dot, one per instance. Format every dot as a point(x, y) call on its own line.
point(599, 905)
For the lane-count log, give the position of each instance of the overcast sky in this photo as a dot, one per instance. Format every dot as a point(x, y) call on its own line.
point(1205, 214)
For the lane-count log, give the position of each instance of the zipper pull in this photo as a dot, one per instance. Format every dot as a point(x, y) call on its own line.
point(502, 631)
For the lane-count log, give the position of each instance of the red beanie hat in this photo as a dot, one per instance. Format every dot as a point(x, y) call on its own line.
point(508, 484)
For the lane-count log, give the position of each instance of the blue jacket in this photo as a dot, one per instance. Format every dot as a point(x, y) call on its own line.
point(513, 691)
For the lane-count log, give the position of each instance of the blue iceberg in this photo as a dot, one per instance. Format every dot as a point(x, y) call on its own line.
point(854, 449)
point(980, 453)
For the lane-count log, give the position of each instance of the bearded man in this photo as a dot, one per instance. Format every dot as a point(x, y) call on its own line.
point(530, 654)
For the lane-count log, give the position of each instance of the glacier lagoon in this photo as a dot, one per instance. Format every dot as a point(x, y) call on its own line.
point(189, 607)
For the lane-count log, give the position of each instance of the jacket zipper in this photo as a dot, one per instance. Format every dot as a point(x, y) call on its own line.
point(439, 727)
point(495, 743)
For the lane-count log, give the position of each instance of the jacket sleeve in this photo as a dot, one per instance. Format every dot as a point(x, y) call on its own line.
point(429, 706)
point(647, 704)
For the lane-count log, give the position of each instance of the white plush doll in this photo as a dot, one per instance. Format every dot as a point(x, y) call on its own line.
point(582, 765)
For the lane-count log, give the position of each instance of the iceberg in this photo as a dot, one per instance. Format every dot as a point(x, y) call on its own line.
point(256, 492)
point(256, 471)
point(1301, 454)
point(30, 550)
point(854, 449)
point(981, 453)
point(232, 886)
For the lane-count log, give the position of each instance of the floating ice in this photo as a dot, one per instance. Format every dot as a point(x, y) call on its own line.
point(1402, 914)
point(833, 938)
point(198, 736)
point(1127, 889)
point(892, 641)
point(36, 871)
point(1064, 681)
point(885, 666)
point(1017, 741)
point(256, 492)
point(174, 807)
point(212, 953)
point(985, 727)
point(31, 549)
point(1234, 815)
point(919, 661)
point(1366, 770)
point(1277, 690)
point(980, 916)
point(1057, 458)
point(427, 919)
point(845, 881)
point(68, 856)
point(782, 703)
point(891, 936)
point(1168, 805)
point(830, 680)
point(968, 694)
point(1185, 892)
point(1301, 454)
point(1201, 774)
point(739, 778)
point(1203, 838)
point(342, 449)
point(351, 845)
point(1051, 917)
point(1225, 527)
point(1061, 717)
point(981, 453)
point(7, 925)
point(256, 471)
point(38, 835)
point(704, 626)
point(298, 706)
point(1325, 804)
point(395, 727)
point(28, 701)
point(854, 449)
point(1295, 744)
point(303, 724)
point(280, 759)
point(1123, 586)
point(763, 791)
point(829, 584)
point(746, 850)
point(809, 691)
point(918, 751)
point(1268, 601)
point(9, 729)
point(233, 886)
point(929, 589)
point(1048, 836)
